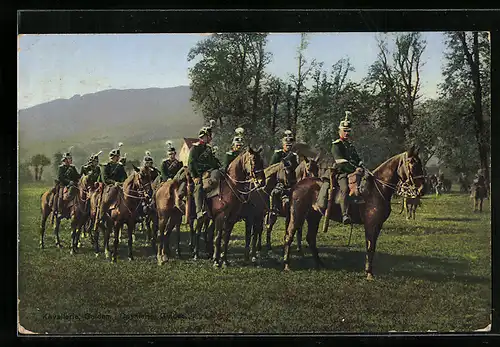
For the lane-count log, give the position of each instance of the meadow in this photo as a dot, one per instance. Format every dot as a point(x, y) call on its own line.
point(433, 273)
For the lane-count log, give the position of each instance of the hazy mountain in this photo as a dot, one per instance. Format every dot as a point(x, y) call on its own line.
point(137, 117)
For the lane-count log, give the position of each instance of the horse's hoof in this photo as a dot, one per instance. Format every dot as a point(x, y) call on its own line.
point(42, 246)
point(130, 258)
point(59, 245)
point(97, 255)
point(79, 244)
point(254, 260)
point(71, 252)
point(225, 264)
point(216, 264)
point(179, 255)
point(107, 254)
point(114, 260)
point(287, 268)
point(370, 277)
point(195, 257)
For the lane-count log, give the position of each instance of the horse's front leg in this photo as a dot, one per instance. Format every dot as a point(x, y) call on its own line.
point(219, 224)
point(209, 239)
point(108, 228)
point(74, 235)
point(56, 231)
point(269, 228)
point(162, 224)
point(130, 232)
point(371, 236)
point(248, 235)
point(257, 227)
point(226, 235)
point(45, 216)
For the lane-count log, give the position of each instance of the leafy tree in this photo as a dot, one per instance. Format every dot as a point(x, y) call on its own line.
point(38, 162)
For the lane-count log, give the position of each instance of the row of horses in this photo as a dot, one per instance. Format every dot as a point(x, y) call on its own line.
point(242, 194)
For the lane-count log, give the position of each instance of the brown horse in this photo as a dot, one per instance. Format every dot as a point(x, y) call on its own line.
point(69, 198)
point(80, 211)
point(169, 216)
point(377, 192)
point(121, 205)
point(253, 211)
point(225, 206)
point(292, 174)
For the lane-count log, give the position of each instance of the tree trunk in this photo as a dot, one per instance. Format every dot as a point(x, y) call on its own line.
point(36, 173)
point(40, 172)
point(289, 107)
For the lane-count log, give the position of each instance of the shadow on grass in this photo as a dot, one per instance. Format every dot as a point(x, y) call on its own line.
point(335, 259)
point(453, 219)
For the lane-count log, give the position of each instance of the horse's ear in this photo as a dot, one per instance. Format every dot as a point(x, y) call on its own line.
point(260, 149)
point(136, 169)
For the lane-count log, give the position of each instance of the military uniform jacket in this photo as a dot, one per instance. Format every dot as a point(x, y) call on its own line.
point(169, 168)
point(280, 154)
point(113, 172)
point(67, 173)
point(230, 156)
point(92, 171)
point(345, 155)
point(201, 159)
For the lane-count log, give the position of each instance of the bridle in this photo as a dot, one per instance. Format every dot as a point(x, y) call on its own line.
point(404, 186)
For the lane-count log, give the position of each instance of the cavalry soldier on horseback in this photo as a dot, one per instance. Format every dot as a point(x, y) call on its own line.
point(170, 166)
point(67, 176)
point(114, 170)
point(347, 161)
point(200, 161)
point(92, 168)
point(235, 149)
point(286, 154)
point(123, 160)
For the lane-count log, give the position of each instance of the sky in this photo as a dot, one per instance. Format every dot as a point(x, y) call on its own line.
point(60, 66)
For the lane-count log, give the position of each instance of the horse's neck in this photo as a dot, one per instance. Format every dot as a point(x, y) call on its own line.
point(272, 170)
point(235, 170)
point(387, 172)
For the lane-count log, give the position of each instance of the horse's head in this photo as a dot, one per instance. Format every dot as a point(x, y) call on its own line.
point(254, 165)
point(143, 178)
point(312, 167)
point(412, 170)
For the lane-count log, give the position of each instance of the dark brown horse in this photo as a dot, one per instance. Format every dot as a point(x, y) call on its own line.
point(121, 205)
point(255, 208)
point(292, 174)
point(224, 207)
point(69, 199)
point(377, 192)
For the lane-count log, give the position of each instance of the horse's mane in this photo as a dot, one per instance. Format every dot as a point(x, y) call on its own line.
point(383, 165)
point(272, 169)
point(129, 180)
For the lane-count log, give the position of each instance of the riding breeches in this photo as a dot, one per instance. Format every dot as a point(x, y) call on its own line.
point(344, 193)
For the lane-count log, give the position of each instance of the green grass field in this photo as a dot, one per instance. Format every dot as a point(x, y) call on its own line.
point(431, 274)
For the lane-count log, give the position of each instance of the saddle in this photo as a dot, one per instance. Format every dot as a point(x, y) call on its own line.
point(210, 185)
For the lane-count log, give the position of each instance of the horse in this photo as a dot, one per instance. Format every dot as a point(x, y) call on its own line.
point(478, 194)
point(410, 204)
point(376, 191)
point(121, 205)
point(255, 208)
point(47, 200)
point(169, 217)
point(80, 211)
point(225, 201)
point(289, 173)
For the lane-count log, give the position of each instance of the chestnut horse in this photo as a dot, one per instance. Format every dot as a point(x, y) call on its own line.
point(121, 205)
point(69, 199)
point(379, 188)
point(224, 208)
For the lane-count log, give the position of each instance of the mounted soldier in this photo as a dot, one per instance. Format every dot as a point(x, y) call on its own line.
point(235, 148)
point(347, 161)
point(67, 176)
point(92, 168)
point(170, 165)
point(123, 160)
point(202, 163)
point(114, 170)
point(285, 154)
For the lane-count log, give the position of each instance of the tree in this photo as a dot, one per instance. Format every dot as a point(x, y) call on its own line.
point(299, 80)
point(38, 162)
point(467, 86)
